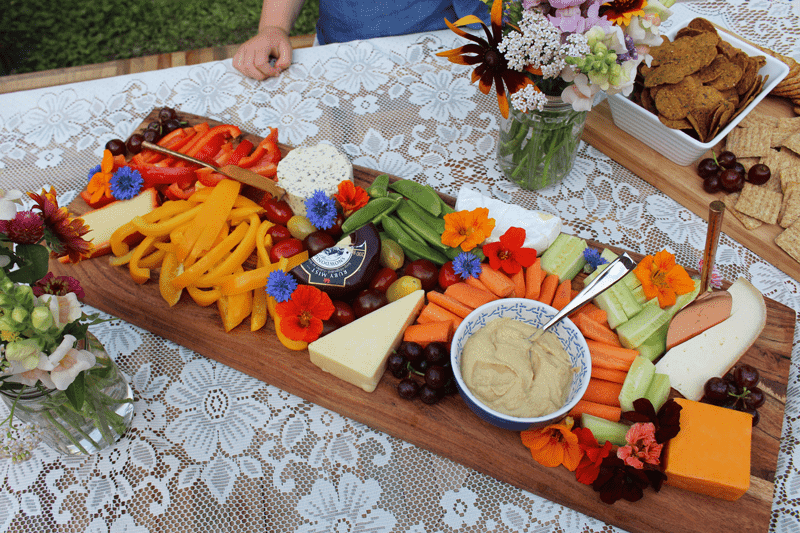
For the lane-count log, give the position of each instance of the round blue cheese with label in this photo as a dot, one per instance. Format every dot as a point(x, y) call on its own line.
point(308, 169)
point(346, 267)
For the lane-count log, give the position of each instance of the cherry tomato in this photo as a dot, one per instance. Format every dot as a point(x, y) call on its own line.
point(317, 241)
point(425, 271)
point(447, 275)
point(285, 248)
point(383, 279)
point(368, 301)
point(277, 211)
point(342, 313)
point(279, 233)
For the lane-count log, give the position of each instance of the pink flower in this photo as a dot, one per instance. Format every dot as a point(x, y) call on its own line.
point(642, 446)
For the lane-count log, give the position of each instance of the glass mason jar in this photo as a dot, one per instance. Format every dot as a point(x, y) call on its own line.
point(106, 413)
point(538, 148)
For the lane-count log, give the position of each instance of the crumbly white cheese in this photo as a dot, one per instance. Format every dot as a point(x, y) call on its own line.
point(541, 228)
point(305, 170)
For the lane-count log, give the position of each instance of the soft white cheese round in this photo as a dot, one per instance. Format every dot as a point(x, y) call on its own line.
point(307, 169)
point(541, 228)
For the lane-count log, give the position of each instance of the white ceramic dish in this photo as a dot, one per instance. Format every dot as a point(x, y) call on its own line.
point(676, 145)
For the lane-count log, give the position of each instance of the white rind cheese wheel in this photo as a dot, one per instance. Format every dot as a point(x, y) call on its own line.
point(305, 170)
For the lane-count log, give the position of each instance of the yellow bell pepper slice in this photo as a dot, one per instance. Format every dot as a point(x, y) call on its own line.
point(203, 297)
point(196, 270)
point(165, 227)
point(234, 308)
point(236, 258)
point(121, 260)
point(153, 259)
point(246, 281)
point(169, 269)
point(117, 240)
point(212, 215)
point(288, 263)
point(139, 274)
point(239, 214)
point(263, 242)
point(258, 315)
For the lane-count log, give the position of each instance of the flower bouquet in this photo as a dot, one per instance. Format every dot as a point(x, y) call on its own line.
point(551, 59)
point(54, 374)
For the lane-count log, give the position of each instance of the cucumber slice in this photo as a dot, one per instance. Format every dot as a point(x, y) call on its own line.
point(636, 382)
point(625, 297)
point(564, 259)
point(631, 281)
point(638, 294)
point(608, 302)
point(656, 344)
point(658, 391)
point(605, 430)
point(640, 326)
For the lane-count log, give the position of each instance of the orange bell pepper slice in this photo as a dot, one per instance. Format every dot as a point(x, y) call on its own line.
point(246, 281)
point(234, 308)
point(139, 274)
point(169, 269)
point(210, 219)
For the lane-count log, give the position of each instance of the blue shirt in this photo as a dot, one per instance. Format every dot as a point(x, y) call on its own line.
point(347, 20)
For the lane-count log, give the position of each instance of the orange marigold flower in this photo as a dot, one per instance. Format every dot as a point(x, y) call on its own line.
point(302, 315)
point(467, 229)
point(662, 277)
point(508, 254)
point(64, 234)
point(554, 445)
point(620, 12)
point(351, 197)
point(100, 184)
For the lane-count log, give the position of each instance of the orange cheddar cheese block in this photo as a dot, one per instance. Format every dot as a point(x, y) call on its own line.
point(711, 453)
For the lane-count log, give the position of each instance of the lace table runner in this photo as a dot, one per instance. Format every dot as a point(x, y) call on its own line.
point(212, 449)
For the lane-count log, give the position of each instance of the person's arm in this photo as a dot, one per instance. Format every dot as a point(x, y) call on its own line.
point(272, 40)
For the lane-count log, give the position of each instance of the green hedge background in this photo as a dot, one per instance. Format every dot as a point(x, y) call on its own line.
point(40, 35)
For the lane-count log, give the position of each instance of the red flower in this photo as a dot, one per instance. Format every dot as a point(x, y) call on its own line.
point(593, 456)
point(63, 233)
point(58, 285)
point(351, 197)
point(302, 315)
point(508, 255)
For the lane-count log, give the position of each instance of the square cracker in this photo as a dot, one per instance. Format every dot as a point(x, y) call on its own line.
point(760, 203)
point(750, 142)
point(754, 117)
point(790, 210)
point(748, 222)
point(789, 240)
point(788, 177)
point(792, 143)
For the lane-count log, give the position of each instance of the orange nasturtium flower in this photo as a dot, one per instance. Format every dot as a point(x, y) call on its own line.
point(100, 184)
point(661, 276)
point(302, 315)
point(467, 229)
point(351, 197)
point(620, 12)
point(554, 445)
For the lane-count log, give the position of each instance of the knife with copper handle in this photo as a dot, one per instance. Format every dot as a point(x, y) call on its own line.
point(243, 175)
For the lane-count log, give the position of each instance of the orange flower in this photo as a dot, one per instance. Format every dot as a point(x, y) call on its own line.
point(554, 445)
point(302, 315)
point(662, 277)
point(467, 229)
point(63, 233)
point(620, 12)
point(100, 184)
point(351, 197)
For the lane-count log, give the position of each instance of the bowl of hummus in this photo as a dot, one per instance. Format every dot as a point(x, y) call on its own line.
point(513, 382)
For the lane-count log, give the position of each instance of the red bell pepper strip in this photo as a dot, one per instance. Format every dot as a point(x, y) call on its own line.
point(267, 148)
point(153, 175)
point(273, 135)
point(240, 152)
point(173, 137)
point(268, 170)
point(223, 131)
point(208, 177)
point(175, 192)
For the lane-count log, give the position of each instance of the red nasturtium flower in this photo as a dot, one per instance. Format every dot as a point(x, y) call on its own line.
point(302, 315)
point(63, 233)
point(593, 455)
point(554, 445)
point(661, 276)
point(508, 254)
point(351, 197)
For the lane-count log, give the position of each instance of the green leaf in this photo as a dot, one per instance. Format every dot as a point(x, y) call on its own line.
point(76, 392)
point(33, 263)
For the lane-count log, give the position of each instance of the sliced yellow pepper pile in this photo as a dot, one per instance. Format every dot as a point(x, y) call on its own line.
point(201, 245)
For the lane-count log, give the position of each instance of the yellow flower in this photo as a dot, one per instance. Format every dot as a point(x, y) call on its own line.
point(467, 229)
point(554, 445)
point(620, 12)
point(662, 277)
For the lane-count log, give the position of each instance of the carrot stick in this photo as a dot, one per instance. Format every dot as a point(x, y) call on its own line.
point(449, 303)
point(478, 284)
point(597, 409)
point(469, 295)
point(534, 276)
point(617, 376)
point(424, 334)
point(519, 283)
point(434, 313)
point(549, 286)
point(592, 311)
point(594, 330)
point(602, 391)
point(498, 283)
point(608, 356)
point(562, 295)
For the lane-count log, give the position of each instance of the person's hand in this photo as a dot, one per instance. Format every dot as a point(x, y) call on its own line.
point(253, 57)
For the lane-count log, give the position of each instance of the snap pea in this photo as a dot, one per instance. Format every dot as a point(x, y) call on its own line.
point(437, 223)
point(379, 187)
point(419, 193)
point(422, 250)
point(394, 229)
point(410, 232)
point(366, 214)
point(410, 217)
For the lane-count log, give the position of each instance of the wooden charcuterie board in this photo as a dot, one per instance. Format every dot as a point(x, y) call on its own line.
point(449, 428)
point(682, 184)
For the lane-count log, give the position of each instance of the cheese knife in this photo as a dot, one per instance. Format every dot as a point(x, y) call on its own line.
point(242, 175)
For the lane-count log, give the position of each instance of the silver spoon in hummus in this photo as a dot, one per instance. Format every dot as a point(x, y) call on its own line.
point(610, 275)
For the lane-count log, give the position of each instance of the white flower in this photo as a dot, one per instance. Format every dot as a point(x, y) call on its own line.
point(580, 94)
point(357, 67)
point(9, 198)
point(528, 98)
point(293, 115)
point(441, 96)
point(73, 363)
point(57, 118)
point(66, 309)
point(209, 90)
point(30, 377)
point(459, 508)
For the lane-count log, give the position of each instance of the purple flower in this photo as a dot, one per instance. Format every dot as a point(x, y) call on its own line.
point(321, 210)
point(94, 171)
point(126, 183)
point(593, 259)
point(280, 285)
point(467, 265)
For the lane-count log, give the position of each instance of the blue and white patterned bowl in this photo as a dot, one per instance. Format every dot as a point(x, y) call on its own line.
point(536, 314)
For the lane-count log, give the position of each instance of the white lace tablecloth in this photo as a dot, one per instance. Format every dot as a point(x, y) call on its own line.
point(212, 449)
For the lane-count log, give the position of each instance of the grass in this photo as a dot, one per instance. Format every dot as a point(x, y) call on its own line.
point(40, 35)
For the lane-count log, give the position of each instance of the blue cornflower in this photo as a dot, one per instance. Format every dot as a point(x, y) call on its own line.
point(593, 260)
point(321, 210)
point(280, 285)
point(94, 171)
point(467, 265)
point(126, 183)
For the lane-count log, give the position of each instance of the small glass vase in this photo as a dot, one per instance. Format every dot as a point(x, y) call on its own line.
point(538, 148)
point(106, 413)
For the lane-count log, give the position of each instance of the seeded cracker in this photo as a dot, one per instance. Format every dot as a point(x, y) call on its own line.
point(790, 210)
point(789, 240)
point(760, 203)
point(748, 222)
point(750, 142)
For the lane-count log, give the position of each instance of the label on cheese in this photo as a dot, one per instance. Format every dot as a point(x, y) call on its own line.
point(335, 265)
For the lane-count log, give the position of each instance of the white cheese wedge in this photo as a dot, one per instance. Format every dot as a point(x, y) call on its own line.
point(541, 228)
point(357, 352)
point(306, 169)
point(712, 353)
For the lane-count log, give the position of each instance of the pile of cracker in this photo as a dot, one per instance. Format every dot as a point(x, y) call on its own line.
point(789, 87)
point(698, 83)
point(775, 142)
